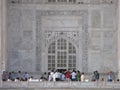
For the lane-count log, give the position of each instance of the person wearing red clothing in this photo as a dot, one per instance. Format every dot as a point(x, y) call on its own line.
point(67, 75)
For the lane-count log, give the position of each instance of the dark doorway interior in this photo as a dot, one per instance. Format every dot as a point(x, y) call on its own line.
point(61, 70)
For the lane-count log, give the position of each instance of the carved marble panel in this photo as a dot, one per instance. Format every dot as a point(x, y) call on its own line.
point(27, 20)
point(71, 35)
point(13, 62)
point(109, 17)
point(95, 40)
point(61, 22)
point(20, 40)
point(27, 40)
point(62, 2)
point(109, 61)
point(14, 19)
point(96, 18)
point(43, 37)
point(95, 62)
point(14, 29)
point(96, 44)
point(27, 61)
point(109, 40)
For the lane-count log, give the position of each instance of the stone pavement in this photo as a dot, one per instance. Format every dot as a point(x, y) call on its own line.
point(60, 86)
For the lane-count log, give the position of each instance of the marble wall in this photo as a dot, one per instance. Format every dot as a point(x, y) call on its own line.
point(0, 21)
point(3, 35)
point(95, 25)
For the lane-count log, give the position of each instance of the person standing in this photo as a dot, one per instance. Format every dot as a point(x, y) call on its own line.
point(18, 76)
point(73, 76)
point(110, 76)
point(96, 74)
point(26, 76)
point(67, 75)
point(78, 77)
point(82, 77)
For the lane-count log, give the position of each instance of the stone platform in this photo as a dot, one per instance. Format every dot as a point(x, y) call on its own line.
point(60, 86)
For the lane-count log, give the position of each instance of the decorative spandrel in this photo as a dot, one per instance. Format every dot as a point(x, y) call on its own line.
point(52, 35)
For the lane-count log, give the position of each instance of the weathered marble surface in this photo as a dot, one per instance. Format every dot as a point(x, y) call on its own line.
point(60, 86)
point(29, 25)
point(58, 89)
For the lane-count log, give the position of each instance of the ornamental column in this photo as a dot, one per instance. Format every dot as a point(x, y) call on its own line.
point(119, 39)
point(3, 6)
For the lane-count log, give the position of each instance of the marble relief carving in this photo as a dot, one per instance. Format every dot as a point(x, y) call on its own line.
point(43, 37)
point(56, 1)
point(72, 35)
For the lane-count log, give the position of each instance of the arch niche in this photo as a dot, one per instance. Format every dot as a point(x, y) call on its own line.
point(61, 55)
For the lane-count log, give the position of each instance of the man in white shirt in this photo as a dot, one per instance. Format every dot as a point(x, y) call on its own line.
point(51, 76)
point(73, 75)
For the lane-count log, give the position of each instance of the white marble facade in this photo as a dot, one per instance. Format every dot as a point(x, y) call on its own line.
point(89, 25)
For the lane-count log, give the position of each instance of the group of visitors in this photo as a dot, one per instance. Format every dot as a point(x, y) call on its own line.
point(77, 76)
point(15, 76)
point(95, 76)
point(66, 76)
point(57, 75)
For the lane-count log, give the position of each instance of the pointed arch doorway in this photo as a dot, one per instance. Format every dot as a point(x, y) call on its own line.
point(61, 55)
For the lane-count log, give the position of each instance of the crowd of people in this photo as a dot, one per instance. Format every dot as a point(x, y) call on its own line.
point(57, 75)
point(66, 76)
point(15, 76)
point(71, 76)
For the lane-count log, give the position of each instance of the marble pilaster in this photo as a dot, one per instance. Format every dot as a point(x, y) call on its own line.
point(2, 34)
point(119, 39)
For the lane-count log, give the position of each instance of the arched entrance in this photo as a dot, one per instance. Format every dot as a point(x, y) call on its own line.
point(61, 55)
